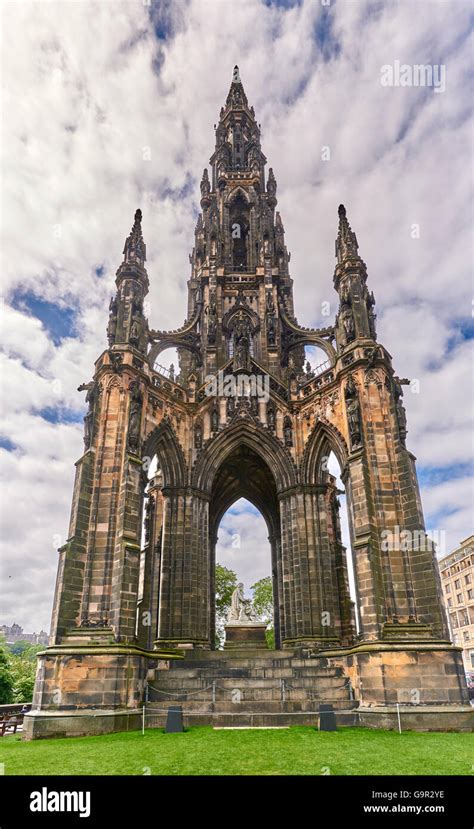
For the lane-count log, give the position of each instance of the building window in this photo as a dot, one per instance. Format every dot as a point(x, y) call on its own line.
point(470, 594)
point(454, 620)
point(448, 588)
point(459, 598)
point(457, 584)
point(450, 602)
point(467, 578)
point(466, 635)
point(472, 659)
point(464, 618)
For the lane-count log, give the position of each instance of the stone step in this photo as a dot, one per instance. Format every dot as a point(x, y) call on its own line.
point(247, 706)
point(254, 673)
point(280, 720)
point(238, 653)
point(258, 695)
point(171, 683)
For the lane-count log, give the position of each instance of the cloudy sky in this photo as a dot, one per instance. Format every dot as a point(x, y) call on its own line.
point(110, 106)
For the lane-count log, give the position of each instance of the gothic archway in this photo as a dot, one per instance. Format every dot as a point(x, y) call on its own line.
point(244, 474)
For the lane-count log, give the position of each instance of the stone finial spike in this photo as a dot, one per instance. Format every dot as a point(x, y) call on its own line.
point(135, 249)
point(346, 242)
point(236, 75)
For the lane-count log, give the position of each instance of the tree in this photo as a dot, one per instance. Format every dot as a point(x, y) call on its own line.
point(23, 671)
point(6, 678)
point(263, 603)
point(19, 647)
point(226, 582)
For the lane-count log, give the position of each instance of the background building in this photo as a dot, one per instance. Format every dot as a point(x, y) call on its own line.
point(457, 576)
point(15, 633)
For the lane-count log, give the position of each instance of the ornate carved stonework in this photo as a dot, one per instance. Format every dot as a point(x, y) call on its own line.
point(140, 556)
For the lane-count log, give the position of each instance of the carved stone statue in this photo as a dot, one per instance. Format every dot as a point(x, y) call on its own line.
point(271, 329)
point(134, 421)
point(112, 324)
point(241, 609)
point(215, 419)
point(230, 406)
point(134, 333)
point(271, 415)
point(348, 324)
point(198, 436)
point(211, 322)
point(92, 396)
point(400, 408)
point(288, 432)
point(353, 413)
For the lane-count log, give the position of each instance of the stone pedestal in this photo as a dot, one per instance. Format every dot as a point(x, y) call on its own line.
point(245, 635)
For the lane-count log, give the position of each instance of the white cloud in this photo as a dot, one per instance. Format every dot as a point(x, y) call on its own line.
point(85, 102)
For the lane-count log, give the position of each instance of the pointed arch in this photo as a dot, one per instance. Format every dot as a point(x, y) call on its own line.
point(323, 439)
point(235, 193)
point(162, 441)
point(256, 438)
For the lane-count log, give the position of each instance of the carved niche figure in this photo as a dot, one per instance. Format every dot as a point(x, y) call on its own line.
point(211, 322)
point(134, 333)
point(372, 316)
point(400, 408)
point(92, 396)
point(353, 413)
point(135, 415)
point(242, 344)
point(348, 325)
point(198, 435)
point(215, 418)
point(288, 431)
point(149, 510)
point(230, 406)
point(271, 332)
point(112, 324)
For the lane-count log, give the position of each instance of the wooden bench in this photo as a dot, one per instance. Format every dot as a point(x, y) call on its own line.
point(10, 724)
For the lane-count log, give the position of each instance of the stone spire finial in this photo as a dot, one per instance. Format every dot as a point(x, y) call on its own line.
point(346, 242)
point(135, 248)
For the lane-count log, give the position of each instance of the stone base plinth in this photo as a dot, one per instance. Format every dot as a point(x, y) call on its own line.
point(245, 635)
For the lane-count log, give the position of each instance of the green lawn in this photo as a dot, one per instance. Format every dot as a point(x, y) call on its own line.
point(200, 750)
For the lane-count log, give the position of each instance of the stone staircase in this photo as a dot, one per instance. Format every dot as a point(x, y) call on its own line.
point(248, 689)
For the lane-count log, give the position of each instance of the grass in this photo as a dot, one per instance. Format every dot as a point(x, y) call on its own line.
point(202, 751)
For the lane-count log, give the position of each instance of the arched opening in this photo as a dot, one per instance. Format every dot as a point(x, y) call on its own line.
point(315, 361)
point(244, 475)
point(167, 363)
point(150, 551)
point(243, 555)
point(239, 229)
point(343, 531)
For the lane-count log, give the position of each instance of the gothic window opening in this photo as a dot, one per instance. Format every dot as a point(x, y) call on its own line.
point(340, 529)
point(239, 230)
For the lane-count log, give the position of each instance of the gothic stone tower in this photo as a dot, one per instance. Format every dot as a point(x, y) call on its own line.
point(241, 417)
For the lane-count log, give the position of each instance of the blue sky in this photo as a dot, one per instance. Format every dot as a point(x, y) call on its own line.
point(92, 134)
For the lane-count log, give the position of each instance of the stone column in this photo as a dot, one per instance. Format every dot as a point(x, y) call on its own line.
point(184, 613)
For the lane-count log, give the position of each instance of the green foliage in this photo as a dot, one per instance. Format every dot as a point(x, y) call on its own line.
point(17, 671)
point(226, 582)
point(263, 604)
point(6, 677)
point(20, 647)
point(263, 599)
